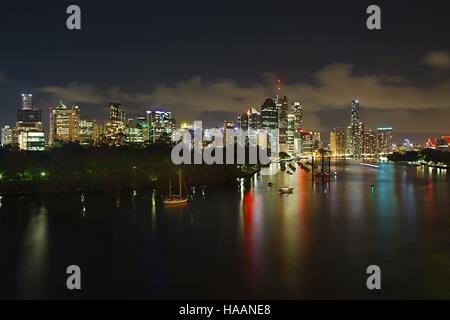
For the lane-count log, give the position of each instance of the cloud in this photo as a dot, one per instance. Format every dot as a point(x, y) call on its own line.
point(77, 93)
point(437, 59)
point(332, 89)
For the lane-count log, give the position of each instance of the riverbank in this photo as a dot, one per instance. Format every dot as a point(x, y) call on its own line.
point(77, 169)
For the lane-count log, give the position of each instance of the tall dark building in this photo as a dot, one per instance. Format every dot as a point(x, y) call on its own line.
point(28, 117)
point(269, 115)
point(116, 113)
point(250, 119)
point(283, 111)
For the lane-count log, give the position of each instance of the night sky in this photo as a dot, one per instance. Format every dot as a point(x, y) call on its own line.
point(209, 60)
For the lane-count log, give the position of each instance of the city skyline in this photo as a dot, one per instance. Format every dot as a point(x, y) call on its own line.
point(284, 115)
point(208, 65)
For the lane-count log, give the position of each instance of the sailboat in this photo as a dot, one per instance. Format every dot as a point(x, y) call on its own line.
point(172, 199)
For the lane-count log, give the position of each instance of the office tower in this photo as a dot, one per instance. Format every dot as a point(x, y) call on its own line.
point(64, 124)
point(142, 123)
point(348, 141)
point(86, 131)
point(384, 140)
point(341, 141)
point(269, 115)
point(370, 143)
point(7, 135)
point(161, 125)
point(305, 143)
point(316, 141)
point(333, 142)
point(98, 132)
point(291, 132)
point(357, 131)
point(250, 120)
point(297, 111)
point(116, 113)
point(31, 140)
point(133, 132)
point(27, 101)
point(28, 117)
point(283, 111)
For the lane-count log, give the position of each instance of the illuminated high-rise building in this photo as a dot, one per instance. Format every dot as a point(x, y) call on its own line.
point(250, 120)
point(32, 140)
point(64, 124)
point(304, 144)
point(85, 133)
point(161, 125)
point(333, 142)
point(98, 132)
point(385, 140)
point(7, 135)
point(370, 143)
point(283, 111)
point(116, 113)
point(316, 140)
point(357, 131)
point(340, 145)
point(297, 111)
point(269, 115)
point(291, 132)
point(29, 119)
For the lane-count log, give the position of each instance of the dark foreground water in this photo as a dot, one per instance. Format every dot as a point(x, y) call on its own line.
point(246, 242)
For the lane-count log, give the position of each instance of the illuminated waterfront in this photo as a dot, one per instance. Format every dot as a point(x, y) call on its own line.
point(242, 242)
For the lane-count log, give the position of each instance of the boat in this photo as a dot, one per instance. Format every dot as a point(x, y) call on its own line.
point(370, 165)
point(173, 199)
point(286, 190)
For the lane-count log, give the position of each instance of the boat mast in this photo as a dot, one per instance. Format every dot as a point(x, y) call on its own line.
point(179, 180)
point(170, 188)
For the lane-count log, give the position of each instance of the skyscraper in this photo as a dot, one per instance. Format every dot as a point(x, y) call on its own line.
point(370, 143)
point(161, 125)
point(29, 119)
point(85, 131)
point(283, 111)
point(116, 113)
point(250, 119)
point(291, 132)
point(269, 115)
point(357, 131)
point(297, 111)
point(384, 140)
point(64, 124)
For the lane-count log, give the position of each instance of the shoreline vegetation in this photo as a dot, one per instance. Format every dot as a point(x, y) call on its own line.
point(427, 157)
point(74, 168)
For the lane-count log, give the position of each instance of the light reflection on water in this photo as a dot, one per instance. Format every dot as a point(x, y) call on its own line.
point(243, 241)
